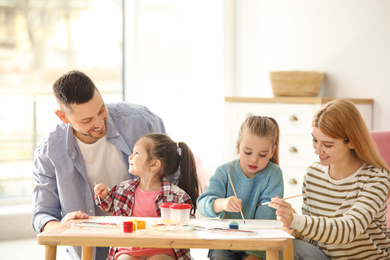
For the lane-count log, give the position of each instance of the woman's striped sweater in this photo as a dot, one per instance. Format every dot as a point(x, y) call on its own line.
point(346, 218)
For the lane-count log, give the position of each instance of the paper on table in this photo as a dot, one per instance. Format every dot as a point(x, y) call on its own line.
point(264, 228)
point(249, 223)
point(264, 233)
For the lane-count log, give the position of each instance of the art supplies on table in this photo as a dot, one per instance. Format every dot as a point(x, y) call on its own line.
point(235, 194)
point(204, 228)
point(233, 224)
point(234, 232)
point(91, 224)
point(266, 203)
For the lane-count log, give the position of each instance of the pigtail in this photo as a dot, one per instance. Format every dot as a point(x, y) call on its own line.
point(174, 156)
point(275, 157)
point(188, 179)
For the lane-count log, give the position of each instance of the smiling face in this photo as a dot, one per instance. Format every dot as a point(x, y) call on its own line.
point(137, 161)
point(330, 150)
point(88, 120)
point(255, 152)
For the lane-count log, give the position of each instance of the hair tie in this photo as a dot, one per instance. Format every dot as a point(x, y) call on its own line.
point(178, 149)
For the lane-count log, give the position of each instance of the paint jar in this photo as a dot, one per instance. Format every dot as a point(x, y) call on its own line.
point(128, 227)
point(165, 209)
point(141, 224)
point(180, 213)
point(233, 224)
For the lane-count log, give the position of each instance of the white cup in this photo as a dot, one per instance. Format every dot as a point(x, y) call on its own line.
point(180, 213)
point(165, 209)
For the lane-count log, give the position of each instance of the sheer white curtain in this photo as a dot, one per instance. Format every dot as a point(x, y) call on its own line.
point(174, 66)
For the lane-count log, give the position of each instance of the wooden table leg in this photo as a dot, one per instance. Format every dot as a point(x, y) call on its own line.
point(288, 252)
point(86, 253)
point(50, 252)
point(272, 254)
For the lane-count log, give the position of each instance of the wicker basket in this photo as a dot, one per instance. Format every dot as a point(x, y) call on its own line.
point(296, 83)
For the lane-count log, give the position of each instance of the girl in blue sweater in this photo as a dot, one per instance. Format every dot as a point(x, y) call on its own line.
point(256, 177)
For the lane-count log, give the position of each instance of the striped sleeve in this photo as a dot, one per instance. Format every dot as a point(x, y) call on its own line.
point(338, 212)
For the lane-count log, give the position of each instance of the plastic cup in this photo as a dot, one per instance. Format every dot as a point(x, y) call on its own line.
point(128, 227)
point(180, 213)
point(165, 209)
point(141, 224)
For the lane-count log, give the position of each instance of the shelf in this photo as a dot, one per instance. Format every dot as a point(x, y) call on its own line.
point(301, 100)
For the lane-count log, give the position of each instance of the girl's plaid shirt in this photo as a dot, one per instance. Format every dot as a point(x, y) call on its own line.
point(120, 201)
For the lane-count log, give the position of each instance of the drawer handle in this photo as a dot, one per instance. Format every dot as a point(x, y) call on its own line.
point(293, 149)
point(292, 181)
point(293, 118)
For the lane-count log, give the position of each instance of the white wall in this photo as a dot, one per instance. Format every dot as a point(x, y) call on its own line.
point(348, 39)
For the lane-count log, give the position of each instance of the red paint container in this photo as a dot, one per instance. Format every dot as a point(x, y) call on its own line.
point(128, 227)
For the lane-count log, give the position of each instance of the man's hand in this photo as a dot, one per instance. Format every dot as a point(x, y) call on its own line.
point(67, 220)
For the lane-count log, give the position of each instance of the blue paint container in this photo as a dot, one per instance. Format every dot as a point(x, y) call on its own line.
point(233, 224)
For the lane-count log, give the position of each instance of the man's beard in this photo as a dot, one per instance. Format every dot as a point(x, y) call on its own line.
point(87, 135)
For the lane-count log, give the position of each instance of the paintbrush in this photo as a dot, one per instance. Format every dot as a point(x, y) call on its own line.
point(100, 202)
point(266, 203)
point(235, 194)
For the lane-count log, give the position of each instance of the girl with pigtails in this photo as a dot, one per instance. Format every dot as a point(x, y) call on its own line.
point(155, 157)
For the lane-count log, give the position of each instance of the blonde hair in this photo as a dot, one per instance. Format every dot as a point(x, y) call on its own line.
point(262, 126)
point(340, 119)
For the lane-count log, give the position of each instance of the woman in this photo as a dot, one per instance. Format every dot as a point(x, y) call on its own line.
point(344, 214)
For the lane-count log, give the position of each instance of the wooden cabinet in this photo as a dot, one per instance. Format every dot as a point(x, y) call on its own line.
point(294, 116)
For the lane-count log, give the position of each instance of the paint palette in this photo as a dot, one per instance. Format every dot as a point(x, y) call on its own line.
point(169, 227)
point(227, 231)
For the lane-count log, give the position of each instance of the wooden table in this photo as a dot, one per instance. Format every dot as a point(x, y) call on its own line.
point(88, 239)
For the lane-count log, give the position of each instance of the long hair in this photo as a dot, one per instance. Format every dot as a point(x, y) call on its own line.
point(74, 87)
point(173, 155)
point(340, 119)
point(262, 126)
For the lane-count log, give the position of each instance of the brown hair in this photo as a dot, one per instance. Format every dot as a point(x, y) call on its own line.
point(74, 87)
point(173, 155)
point(340, 119)
point(262, 126)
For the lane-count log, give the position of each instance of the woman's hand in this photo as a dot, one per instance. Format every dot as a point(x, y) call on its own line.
point(294, 233)
point(284, 211)
point(101, 190)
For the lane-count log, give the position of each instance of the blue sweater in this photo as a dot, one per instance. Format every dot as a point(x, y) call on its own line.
point(265, 185)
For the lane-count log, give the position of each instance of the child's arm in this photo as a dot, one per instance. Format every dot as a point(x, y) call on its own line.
point(231, 204)
point(215, 191)
point(102, 197)
point(101, 190)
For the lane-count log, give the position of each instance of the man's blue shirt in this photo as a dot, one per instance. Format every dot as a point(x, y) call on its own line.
point(60, 178)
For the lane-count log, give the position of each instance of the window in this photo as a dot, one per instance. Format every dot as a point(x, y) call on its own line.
point(174, 63)
point(39, 41)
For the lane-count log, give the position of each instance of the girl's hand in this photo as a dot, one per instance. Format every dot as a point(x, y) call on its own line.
point(101, 190)
point(284, 211)
point(232, 204)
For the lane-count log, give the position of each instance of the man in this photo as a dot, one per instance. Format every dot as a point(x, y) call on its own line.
point(91, 145)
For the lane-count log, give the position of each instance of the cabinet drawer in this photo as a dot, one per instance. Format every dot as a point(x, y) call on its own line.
point(293, 180)
point(296, 151)
point(292, 119)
